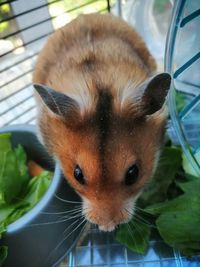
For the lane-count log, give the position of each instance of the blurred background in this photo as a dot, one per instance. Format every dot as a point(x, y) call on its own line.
point(26, 25)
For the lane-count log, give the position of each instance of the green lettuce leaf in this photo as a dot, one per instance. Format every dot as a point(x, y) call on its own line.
point(5, 211)
point(22, 164)
point(155, 192)
point(134, 235)
point(189, 200)
point(187, 165)
point(18, 192)
point(173, 198)
point(157, 189)
point(10, 185)
point(179, 219)
point(37, 187)
point(2, 229)
point(5, 144)
point(13, 170)
point(35, 190)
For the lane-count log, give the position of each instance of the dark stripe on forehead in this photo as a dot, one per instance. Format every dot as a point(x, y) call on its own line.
point(103, 119)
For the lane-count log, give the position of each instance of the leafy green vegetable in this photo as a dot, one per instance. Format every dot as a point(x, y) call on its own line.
point(10, 185)
point(170, 162)
point(134, 235)
point(173, 198)
point(2, 229)
point(11, 179)
point(5, 144)
point(187, 165)
point(36, 188)
point(22, 164)
point(5, 210)
point(154, 193)
point(18, 192)
point(179, 219)
point(189, 200)
point(179, 230)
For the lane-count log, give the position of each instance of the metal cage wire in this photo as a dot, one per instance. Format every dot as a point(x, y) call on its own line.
point(29, 23)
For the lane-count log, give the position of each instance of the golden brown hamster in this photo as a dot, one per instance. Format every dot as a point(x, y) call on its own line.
point(101, 113)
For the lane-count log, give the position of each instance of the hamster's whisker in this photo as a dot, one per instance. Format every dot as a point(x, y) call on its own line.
point(140, 219)
point(78, 209)
point(47, 223)
point(130, 213)
point(142, 210)
point(71, 226)
point(83, 220)
point(90, 217)
point(59, 220)
point(61, 242)
point(78, 220)
point(68, 217)
point(67, 201)
point(137, 228)
point(132, 235)
point(139, 232)
point(72, 214)
point(85, 211)
point(80, 223)
point(62, 212)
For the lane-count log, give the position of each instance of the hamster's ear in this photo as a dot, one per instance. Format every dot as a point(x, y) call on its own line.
point(60, 104)
point(154, 93)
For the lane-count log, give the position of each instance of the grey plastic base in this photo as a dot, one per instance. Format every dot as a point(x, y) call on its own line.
point(38, 239)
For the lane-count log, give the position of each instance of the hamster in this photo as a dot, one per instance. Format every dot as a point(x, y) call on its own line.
point(101, 113)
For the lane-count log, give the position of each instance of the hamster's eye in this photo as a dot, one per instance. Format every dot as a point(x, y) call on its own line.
point(78, 174)
point(132, 175)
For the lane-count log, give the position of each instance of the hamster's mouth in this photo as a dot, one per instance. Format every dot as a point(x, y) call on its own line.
point(108, 227)
point(109, 217)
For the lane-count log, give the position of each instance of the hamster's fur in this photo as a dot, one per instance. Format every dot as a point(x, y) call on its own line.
point(100, 108)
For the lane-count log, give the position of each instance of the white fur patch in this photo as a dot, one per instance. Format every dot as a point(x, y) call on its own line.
point(83, 96)
point(130, 93)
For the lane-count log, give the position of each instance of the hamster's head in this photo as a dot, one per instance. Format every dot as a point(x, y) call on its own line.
point(109, 151)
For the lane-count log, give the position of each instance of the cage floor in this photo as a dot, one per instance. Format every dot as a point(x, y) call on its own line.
point(100, 249)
